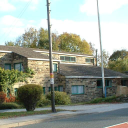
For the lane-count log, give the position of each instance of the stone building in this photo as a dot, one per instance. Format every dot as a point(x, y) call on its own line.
point(75, 74)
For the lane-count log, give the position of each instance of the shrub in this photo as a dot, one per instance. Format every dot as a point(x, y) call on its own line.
point(29, 95)
point(43, 101)
point(61, 98)
point(11, 98)
point(2, 97)
point(102, 100)
point(9, 106)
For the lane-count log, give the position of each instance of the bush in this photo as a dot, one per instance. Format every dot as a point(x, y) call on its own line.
point(61, 98)
point(29, 95)
point(103, 100)
point(9, 106)
point(11, 98)
point(2, 97)
point(43, 102)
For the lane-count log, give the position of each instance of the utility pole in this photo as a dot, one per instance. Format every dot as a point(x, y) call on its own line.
point(50, 59)
point(101, 51)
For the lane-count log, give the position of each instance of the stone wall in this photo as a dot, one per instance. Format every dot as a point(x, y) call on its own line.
point(90, 89)
point(42, 74)
point(5, 58)
point(79, 59)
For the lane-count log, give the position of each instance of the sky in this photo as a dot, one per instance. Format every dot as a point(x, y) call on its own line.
point(72, 16)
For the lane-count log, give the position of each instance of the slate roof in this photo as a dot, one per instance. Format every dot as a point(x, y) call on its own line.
point(26, 52)
point(88, 71)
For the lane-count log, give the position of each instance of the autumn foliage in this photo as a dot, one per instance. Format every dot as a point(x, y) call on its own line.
point(2, 97)
point(11, 98)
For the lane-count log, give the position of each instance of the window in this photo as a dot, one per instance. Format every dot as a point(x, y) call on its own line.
point(89, 60)
point(54, 67)
point(108, 83)
point(55, 89)
point(60, 88)
point(49, 89)
point(15, 91)
point(7, 67)
point(68, 58)
point(8, 92)
point(77, 89)
point(18, 66)
point(44, 90)
point(124, 82)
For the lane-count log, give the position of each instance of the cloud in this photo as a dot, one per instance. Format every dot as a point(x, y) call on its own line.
point(6, 6)
point(114, 35)
point(9, 20)
point(105, 6)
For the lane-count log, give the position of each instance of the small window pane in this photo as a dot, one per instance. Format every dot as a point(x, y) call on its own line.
point(80, 89)
point(15, 91)
point(73, 59)
point(62, 58)
point(67, 58)
point(17, 67)
point(74, 89)
point(44, 90)
point(54, 67)
point(60, 88)
point(7, 66)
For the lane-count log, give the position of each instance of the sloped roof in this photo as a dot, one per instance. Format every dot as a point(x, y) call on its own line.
point(26, 52)
point(87, 71)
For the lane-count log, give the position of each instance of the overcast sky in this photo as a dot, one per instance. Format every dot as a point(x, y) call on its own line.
point(72, 16)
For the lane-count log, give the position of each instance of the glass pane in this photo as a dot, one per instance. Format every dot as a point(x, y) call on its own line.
point(88, 60)
point(54, 67)
point(73, 59)
point(61, 88)
point(62, 58)
point(22, 69)
point(67, 58)
point(80, 89)
point(8, 66)
point(17, 67)
point(74, 89)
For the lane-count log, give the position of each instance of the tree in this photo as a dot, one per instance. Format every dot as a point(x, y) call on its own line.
point(105, 59)
point(118, 61)
point(120, 65)
point(118, 54)
point(73, 43)
point(9, 43)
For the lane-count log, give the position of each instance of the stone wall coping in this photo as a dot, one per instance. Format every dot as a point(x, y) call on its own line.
point(41, 59)
point(5, 51)
point(64, 53)
point(70, 77)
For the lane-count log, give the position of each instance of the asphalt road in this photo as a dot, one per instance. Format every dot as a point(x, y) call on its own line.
point(95, 120)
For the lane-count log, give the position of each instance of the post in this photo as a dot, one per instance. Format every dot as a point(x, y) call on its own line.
point(102, 65)
point(50, 59)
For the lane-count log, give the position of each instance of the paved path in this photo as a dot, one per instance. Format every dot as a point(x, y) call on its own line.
point(80, 109)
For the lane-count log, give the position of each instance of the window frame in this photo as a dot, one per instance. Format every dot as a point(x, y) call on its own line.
point(69, 58)
point(9, 66)
point(60, 86)
point(77, 90)
point(20, 66)
point(54, 68)
point(124, 83)
point(44, 90)
point(106, 84)
point(91, 60)
point(15, 91)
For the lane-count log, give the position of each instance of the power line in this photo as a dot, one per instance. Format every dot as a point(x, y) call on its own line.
point(7, 33)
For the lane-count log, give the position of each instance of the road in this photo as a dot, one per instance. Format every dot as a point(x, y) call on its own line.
point(95, 120)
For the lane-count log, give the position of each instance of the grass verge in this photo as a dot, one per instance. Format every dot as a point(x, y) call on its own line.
point(21, 114)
